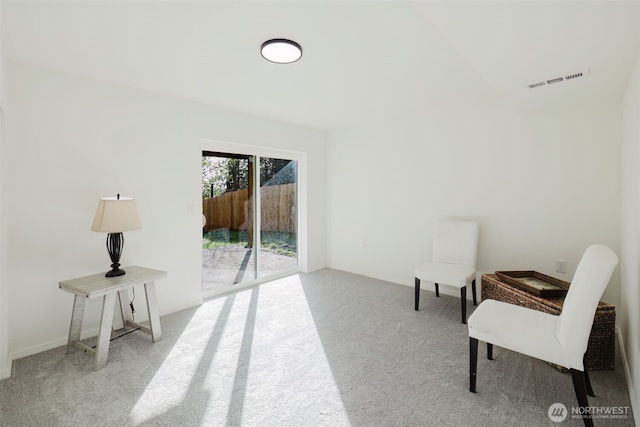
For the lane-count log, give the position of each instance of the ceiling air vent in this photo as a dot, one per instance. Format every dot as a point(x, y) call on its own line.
point(572, 76)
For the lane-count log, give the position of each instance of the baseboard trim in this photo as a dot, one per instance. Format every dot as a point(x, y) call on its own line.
point(451, 291)
point(43, 347)
point(85, 334)
point(5, 372)
point(194, 303)
point(59, 342)
point(625, 363)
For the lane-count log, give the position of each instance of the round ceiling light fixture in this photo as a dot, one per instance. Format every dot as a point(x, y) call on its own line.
point(281, 51)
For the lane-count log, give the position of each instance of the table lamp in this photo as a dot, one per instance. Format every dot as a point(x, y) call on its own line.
point(116, 215)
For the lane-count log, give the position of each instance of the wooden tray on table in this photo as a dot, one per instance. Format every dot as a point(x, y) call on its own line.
point(535, 283)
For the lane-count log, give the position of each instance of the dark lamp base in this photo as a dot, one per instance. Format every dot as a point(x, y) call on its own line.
point(115, 272)
point(115, 242)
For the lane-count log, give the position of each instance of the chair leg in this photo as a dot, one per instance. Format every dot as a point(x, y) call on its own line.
point(463, 303)
point(473, 363)
point(588, 383)
point(437, 290)
point(473, 291)
point(586, 377)
point(417, 293)
point(489, 351)
point(581, 393)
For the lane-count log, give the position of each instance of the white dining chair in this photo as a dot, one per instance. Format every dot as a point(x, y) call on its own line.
point(455, 252)
point(558, 339)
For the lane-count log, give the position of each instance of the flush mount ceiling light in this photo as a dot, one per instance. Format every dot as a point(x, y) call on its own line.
point(281, 51)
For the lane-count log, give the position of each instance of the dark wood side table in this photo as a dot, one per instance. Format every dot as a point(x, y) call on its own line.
point(601, 350)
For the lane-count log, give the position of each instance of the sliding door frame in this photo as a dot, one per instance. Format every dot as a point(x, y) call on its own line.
point(257, 152)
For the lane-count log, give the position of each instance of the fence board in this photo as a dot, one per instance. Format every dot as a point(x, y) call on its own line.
point(229, 210)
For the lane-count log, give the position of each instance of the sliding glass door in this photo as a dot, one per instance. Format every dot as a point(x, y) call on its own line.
point(228, 256)
point(278, 216)
point(247, 234)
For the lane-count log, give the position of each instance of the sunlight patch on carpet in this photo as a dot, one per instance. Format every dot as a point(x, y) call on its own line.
point(244, 355)
point(173, 381)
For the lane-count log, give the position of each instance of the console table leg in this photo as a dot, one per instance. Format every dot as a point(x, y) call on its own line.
point(104, 334)
point(76, 322)
point(125, 308)
point(152, 309)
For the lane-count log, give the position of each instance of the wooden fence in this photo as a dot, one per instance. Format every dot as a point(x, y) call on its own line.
point(231, 210)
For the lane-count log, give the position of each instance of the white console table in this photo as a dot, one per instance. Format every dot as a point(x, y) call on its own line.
point(96, 286)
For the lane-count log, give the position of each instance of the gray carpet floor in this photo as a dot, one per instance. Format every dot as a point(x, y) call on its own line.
point(322, 349)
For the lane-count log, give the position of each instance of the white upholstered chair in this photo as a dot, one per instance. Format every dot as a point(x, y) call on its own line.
point(455, 250)
point(562, 339)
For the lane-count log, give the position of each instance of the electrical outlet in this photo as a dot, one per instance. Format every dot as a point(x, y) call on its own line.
point(561, 266)
point(361, 242)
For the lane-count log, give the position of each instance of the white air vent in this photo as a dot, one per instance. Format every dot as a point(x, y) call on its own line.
point(572, 76)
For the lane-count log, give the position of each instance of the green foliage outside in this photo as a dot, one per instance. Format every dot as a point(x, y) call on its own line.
point(221, 174)
point(280, 242)
point(220, 238)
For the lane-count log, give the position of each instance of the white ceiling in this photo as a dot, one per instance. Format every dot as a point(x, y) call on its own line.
point(362, 60)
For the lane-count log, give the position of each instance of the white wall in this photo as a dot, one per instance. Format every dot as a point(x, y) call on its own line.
point(543, 187)
point(72, 141)
point(628, 313)
point(5, 365)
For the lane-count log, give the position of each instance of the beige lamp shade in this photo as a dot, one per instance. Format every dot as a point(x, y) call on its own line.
point(116, 215)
